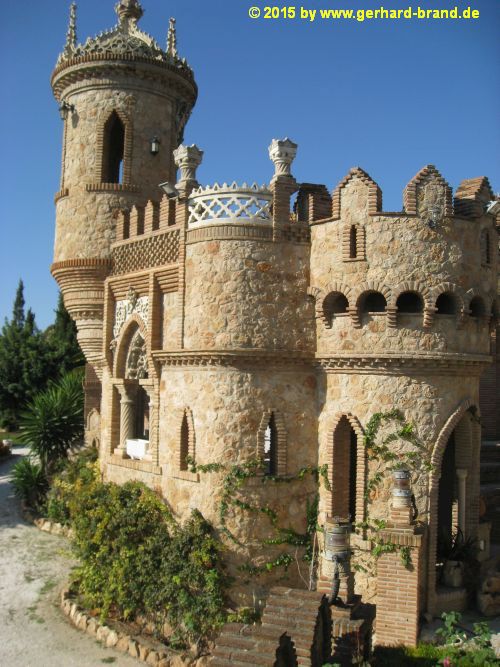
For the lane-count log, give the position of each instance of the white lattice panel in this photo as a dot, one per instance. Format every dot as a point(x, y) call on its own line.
point(230, 203)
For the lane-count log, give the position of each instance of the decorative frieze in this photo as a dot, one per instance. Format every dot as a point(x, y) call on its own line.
point(124, 308)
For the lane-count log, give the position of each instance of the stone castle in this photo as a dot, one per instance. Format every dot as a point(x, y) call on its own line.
point(237, 322)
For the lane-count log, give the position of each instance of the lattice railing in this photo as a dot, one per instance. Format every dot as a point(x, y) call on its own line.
point(230, 203)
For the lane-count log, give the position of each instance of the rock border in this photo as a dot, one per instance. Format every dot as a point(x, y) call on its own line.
point(134, 645)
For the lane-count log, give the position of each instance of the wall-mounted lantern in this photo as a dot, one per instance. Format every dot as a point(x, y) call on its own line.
point(155, 146)
point(65, 108)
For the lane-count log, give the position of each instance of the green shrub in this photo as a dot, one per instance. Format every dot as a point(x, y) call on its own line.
point(53, 421)
point(136, 560)
point(80, 469)
point(29, 482)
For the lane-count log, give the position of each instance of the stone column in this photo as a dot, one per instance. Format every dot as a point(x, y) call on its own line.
point(282, 153)
point(127, 416)
point(187, 159)
point(152, 453)
point(462, 498)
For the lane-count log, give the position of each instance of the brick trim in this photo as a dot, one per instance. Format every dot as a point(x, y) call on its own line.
point(434, 477)
point(429, 172)
point(327, 497)
point(374, 192)
point(360, 249)
point(180, 469)
point(281, 439)
point(128, 127)
point(112, 187)
point(372, 286)
point(130, 327)
point(61, 195)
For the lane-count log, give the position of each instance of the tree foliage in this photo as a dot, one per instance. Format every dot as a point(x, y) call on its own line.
point(30, 358)
point(53, 421)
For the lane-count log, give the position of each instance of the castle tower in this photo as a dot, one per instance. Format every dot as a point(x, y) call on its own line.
point(124, 102)
point(404, 305)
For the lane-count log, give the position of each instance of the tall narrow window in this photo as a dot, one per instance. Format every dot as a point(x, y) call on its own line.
point(113, 150)
point(271, 448)
point(345, 467)
point(485, 247)
point(353, 242)
point(184, 445)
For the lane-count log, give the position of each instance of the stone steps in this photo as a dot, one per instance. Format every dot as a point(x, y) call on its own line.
point(289, 611)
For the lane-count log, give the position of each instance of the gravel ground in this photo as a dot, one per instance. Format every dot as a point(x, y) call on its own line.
point(33, 569)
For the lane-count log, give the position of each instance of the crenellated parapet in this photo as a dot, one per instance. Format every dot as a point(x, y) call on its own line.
point(407, 282)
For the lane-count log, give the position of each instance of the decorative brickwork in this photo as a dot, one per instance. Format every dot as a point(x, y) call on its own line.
point(146, 253)
point(278, 441)
point(221, 299)
point(186, 448)
point(374, 192)
point(338, 456)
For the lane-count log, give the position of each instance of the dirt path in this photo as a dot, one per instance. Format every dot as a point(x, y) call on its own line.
point(33, 569)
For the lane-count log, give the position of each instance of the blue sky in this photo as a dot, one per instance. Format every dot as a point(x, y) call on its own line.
point(387, 96)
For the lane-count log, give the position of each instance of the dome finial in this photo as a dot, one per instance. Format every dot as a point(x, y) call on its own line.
point(172, 40)
point(129, 9)
point(70, 45)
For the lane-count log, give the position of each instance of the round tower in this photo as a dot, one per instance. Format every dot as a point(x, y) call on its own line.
point(124, 102)
point(404, 305)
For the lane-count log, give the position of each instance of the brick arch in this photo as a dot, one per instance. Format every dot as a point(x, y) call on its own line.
point(281, 453)
point(436, 460)
point(418, 287)
point(361, 464)
point(447, 288)
point(93, 416)
point(472, 293)
point(133, 323)
point(372, 286)
point(127, 144)
point(319, 296)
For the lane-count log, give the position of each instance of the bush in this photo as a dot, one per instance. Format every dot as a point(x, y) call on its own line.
point(30, 483)
point(61, 486)
point(53, 421)
point(136, 560)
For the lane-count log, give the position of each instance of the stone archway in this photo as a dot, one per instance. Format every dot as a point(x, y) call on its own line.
point(453, 489)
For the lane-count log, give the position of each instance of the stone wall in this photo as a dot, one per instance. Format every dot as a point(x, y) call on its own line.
point(248, 294)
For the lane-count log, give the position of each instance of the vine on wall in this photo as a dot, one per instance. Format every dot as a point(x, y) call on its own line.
point(234, 479)
point(414, 460)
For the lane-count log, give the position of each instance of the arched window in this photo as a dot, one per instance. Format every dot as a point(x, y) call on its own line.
point(113, 150)
point(271, 448)
point(353, 242)
point(344, 465)
point(446, 304)
point(334, 304)
point(485, 243)
point(184, 444)
point(372, 302)
point(409, 302)
point(477, 307)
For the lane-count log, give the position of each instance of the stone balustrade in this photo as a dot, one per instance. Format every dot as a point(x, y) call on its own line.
point(230, 204)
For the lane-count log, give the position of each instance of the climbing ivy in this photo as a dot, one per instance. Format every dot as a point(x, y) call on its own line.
point(235, 477)
point(412, 460)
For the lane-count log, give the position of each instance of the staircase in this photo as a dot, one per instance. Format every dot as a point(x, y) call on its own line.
point(490, 485)
point(290, 613)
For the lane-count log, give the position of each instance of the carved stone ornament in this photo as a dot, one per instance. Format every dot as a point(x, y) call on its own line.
point(133, 304)
point(124, 38)
point(188, 159)
point(432, 203)
point(136, 365)
point(282, 153)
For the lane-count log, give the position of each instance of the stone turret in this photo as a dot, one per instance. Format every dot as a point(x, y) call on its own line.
point(124, 102)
